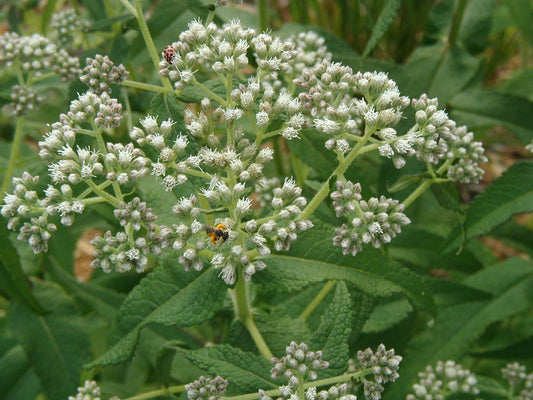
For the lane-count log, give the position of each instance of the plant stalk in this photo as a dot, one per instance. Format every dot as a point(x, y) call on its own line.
point(15, 149)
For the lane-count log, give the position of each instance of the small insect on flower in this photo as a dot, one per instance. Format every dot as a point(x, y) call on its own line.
point(169, 53)
point(218, 234)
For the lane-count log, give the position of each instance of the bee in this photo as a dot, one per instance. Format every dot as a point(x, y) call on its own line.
point(169, 53)
point(218, 233)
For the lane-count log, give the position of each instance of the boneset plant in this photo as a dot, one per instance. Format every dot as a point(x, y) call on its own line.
point(199, 213)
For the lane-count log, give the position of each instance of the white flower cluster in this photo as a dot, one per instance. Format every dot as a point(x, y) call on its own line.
point(206, 388)
point(437, 138)
point(30, 57)
point(65, 25)
point(89, 391)
point(375, 221)
point(520, 382)
point(445, 378)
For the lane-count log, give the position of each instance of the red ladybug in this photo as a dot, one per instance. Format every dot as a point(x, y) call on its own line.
point(169, 53)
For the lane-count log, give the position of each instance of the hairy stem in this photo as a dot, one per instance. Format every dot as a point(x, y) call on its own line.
point(145, 86)
point(244, 313)
point(149, 42)
point(15, 149)
point(157, 393)
point(341, 168)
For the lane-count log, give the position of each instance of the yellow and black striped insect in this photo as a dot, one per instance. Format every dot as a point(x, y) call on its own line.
point(218, 234)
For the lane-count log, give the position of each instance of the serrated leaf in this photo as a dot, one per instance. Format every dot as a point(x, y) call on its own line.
point(105, 301)
point(57, 344)
point(332, 335)
point(246, 371)
point(17, 380)
point(457, 327)
point(484, 108)
point(163, 297)
point(385, 19)
point(314, 259)
point(13, 280)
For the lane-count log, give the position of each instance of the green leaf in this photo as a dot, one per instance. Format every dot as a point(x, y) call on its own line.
point(311, 151)
point(332, 335)
point(515, 235)
point(105, 301)
point(167, 105)
point(163, 297)
point(457, 327)
point(47, 15)
point(246, 371)
point(279, 330)
point(385, 19)
point(484, 108)
point(522, 14)
point(314, 259)
point(17, 380)
point(437, 73)
point(386, 315)
point(510, 194)
point(448, 196)
point(13, 280)
point(194, 94)
point(57, 344)
point(476, 25)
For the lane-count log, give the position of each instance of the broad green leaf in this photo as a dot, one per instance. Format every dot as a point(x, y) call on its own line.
point(457, 327)
point(437, 73)
point(362, 307)
point(105, 301)
point(314, 259)
point(386, 315)
point(510, 194)
point(332, 335)
point(515, 235)
point(476, 25)
point(484, 108)
point(17, 380)
point(163, 297)
point(246, 371)
point(448, 196)
point(57, 344)
point(13, 280)
point(519, 84)
point(158, 199)
point(385, 19)
point(279, 330)
point(419, 248)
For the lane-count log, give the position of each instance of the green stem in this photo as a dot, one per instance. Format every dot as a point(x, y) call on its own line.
point(341, 168)
point(149, 42)
point(129, 7)
point(318, 299)
point(157, 393)
point(145, 86)
point(321, 382)
point(15, 149)
point(244, 313)
point(210, 93)
point(102, 193)
point(417, 192)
